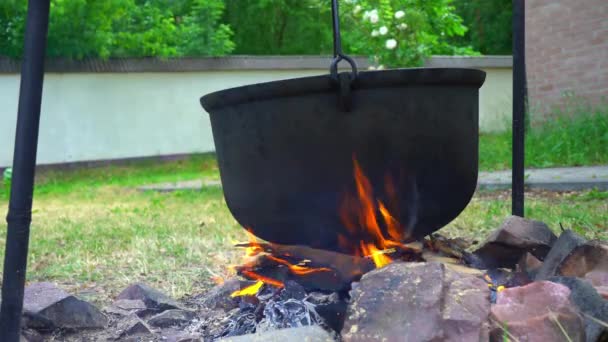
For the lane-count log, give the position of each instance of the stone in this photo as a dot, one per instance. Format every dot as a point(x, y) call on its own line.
point(312, 333)
point(47, 307)
point(171, 318)
point(330, 307)
point(125, 307)
point(529, 263)
point(152, 298)
point(29, 335)
point(516, 236)
point(466, 308)
point(562, 248)
point(590, 303)
point(219, 296)
point(597, 278)
point(132, 325)
point(530, 313)
point(176, 335)
point(589, 257)
point(397, 302)
point(417, 302)
point(602, 291)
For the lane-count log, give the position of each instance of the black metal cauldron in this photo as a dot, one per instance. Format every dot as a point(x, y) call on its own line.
point(285, 150)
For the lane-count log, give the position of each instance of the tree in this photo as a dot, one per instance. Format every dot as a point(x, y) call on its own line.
point(490, 25)
point(122, 28)
point(394, 33)
point(280, 27)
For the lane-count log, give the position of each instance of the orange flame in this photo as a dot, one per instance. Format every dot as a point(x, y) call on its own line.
point(365, 209)
point(250, 290)
point(254, 247)
point(359, 214)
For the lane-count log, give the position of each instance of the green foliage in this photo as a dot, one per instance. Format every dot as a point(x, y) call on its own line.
point(274, 27)
point(122, 28)
point(575, 135)
point(489, 23)
point(135, 28)
point(280, 27)
point(399, 33)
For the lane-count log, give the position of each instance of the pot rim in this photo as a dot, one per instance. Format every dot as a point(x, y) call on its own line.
point(321, 84)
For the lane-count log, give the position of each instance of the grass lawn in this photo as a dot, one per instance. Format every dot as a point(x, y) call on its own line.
point(579, 136)
point(94, 234)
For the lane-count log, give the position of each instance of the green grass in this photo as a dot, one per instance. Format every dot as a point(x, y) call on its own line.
point(575, 136)
point(128, 175)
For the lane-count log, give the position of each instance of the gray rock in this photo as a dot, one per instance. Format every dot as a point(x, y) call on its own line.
point(529, 263)
point(219, 296)
point(132, 325)
point(589, 257)
point(171, 318)
point(417, 302)
point(466, 308)
point(531, 313)
point(125, 307)
point(47, 307)
point(590, 303)
point(561, 249)
point(29, 335)
point(308, 333)
point(516, 236)
point(152, 298)
point(180, 336)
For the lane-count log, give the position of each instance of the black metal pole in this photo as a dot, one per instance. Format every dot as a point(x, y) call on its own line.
point(24, 164)
point(519, 107)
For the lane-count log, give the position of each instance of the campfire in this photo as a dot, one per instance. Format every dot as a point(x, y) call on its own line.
point(375, 240)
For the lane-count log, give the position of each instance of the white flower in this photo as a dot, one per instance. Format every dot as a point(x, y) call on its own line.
point(373, 18)
point(383, 30)
point(371, 67)
point(357, 9)
point(380, 67)
point(402, 26)
point(375, 33)
point(399, 14)
point(391, 44)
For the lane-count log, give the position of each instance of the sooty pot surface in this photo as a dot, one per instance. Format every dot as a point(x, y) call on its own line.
point(286, 151)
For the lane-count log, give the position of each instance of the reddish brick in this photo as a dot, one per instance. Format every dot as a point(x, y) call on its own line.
point(567, 49)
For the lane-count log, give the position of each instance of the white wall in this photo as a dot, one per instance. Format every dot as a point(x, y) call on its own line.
point(97, 116)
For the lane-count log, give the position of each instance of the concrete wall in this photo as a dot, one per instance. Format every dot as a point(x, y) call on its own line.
point(90, 116)
point(567, 51)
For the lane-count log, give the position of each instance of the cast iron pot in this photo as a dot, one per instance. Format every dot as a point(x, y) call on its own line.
point(285, 150)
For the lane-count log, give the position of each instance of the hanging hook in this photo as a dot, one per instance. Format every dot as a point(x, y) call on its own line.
point(343, 81)
point(338, 54)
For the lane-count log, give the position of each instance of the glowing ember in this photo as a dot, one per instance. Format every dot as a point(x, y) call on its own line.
point(296, 269)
